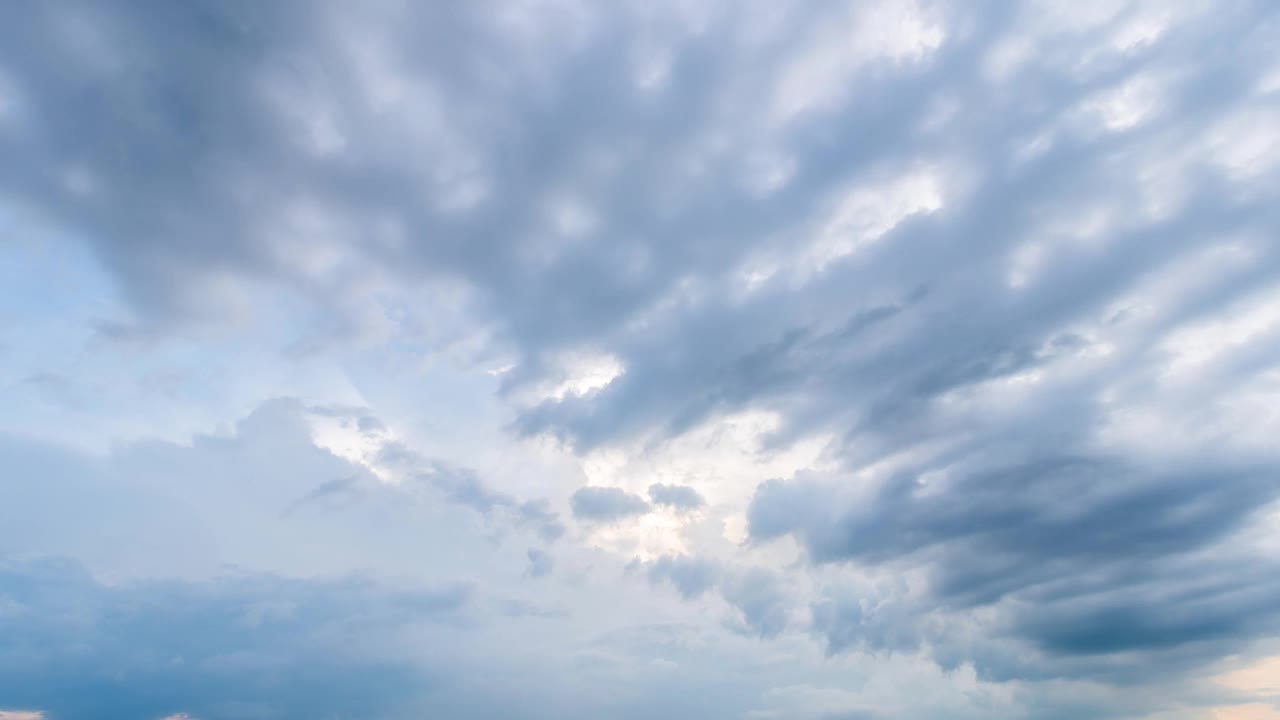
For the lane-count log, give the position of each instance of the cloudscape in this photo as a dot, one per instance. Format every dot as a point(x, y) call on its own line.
point(688, 359)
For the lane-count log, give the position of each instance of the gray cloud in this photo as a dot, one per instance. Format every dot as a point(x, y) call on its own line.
point(249, 646)
point(1091, 558)
point(690, 576)
point(606, 504)
point(872, 622)
point(215, 499)
point(999, 330)
point(538, 515)
point(680, 497)
point(271, 68)
point(464, 487)
point(758, 594)
point(540, 563)
point(333, 491)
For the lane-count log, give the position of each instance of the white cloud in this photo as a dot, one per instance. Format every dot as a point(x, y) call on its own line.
point(822, 74)
point(1128, 105)
point(866, 212)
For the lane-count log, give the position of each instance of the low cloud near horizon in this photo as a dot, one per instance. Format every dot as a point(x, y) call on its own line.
point(902, 359)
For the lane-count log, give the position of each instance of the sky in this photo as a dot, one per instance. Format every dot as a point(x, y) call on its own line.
point(742, 360)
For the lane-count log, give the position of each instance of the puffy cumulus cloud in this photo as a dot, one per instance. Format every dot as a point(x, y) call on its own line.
point(875, 620)
point(606, 504)
point(690, 576)
point(985, 295)
point(677, 497)
point(761, 598)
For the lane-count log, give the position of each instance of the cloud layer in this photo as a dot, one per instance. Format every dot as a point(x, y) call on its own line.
point(737, 360)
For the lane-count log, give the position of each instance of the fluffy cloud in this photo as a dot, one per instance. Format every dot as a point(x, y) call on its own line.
point(759, 595)
point(985, 296)
point(690, 576)
point(678, 497)
point(606, 504)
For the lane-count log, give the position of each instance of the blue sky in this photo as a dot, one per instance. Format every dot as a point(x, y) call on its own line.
point(688, 359)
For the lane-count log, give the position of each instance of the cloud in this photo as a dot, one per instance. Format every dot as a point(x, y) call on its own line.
point(464, 488)
point(690, 576)
point(536, 513)
point(606, 504)
point(1093, 562)
point(540, 563)
point(339, 490)
point(678, 497)
point(874, 621)
point(1007, 274)
point(758, 593)
point(458, 485)
point(247, 645)
point(264, 495)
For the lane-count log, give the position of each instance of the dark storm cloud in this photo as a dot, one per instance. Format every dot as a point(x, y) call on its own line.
point(679, 497)
point(606, 504)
